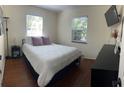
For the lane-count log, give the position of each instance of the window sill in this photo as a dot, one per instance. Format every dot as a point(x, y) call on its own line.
point(83, 42)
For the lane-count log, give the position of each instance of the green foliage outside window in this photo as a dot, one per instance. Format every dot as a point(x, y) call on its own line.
point(79, 29)
point(34, 25)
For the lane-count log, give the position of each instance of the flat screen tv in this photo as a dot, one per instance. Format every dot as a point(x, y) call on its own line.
point(112, 16)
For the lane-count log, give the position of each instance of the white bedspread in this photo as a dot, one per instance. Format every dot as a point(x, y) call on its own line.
point(47, 60)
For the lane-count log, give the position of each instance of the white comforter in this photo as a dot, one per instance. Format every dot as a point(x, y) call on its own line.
point(47, 60)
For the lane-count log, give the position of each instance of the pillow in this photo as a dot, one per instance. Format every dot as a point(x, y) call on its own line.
point(37, 41)
point(46, 41)
point(28, 40)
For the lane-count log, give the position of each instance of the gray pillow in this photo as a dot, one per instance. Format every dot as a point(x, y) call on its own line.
point(37, 41)
point(28, 40)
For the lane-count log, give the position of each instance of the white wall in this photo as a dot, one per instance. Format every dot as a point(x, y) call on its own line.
point(58, 26)
point(17, 22)
point(98, 33)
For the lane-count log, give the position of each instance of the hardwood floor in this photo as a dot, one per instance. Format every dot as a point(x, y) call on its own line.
point(18, 75)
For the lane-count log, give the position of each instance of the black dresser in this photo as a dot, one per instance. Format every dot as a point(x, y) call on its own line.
point(104, 73)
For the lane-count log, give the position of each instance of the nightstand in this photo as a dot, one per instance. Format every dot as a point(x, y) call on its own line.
point(15, 51)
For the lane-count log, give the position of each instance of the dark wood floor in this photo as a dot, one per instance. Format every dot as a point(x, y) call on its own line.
point(18, 75)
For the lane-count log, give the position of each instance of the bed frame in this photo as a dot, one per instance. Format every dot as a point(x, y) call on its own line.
point(58, 76)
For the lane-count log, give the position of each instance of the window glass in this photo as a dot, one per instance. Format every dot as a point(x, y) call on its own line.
point(34, 25)
point(79, 29)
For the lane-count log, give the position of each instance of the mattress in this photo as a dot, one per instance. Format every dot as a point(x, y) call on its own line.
point(47, 60)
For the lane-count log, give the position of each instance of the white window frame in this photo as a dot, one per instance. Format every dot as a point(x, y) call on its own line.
point(34, 33)
point(73, 30)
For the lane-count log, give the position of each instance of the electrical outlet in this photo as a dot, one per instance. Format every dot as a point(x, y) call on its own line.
point(123, 74)
point(0, 57)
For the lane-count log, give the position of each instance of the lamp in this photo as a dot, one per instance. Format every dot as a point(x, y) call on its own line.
point(115, 34)
point(6, 18)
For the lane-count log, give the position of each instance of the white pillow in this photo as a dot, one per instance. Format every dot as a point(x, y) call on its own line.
point(28, 40)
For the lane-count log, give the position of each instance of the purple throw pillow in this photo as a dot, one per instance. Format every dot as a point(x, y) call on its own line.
point(46, 41)
point(37, 41)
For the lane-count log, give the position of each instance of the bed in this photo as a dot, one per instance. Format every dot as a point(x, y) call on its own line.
point(47, 60)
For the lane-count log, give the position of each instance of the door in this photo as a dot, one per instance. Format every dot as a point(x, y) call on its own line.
point(121, 64)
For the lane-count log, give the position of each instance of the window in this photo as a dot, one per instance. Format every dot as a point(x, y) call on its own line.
point(34, 25)
point(79, 29)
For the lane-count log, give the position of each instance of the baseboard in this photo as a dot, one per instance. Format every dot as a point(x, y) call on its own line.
point(84, 57)
point(8, 57)
point(88, 58)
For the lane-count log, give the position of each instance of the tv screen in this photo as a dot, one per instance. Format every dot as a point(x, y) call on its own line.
point(112, 16)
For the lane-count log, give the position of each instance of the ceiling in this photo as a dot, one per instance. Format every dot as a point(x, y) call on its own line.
point(56, 8)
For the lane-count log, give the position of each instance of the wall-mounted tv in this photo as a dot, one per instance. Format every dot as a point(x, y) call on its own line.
point(112, 16)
